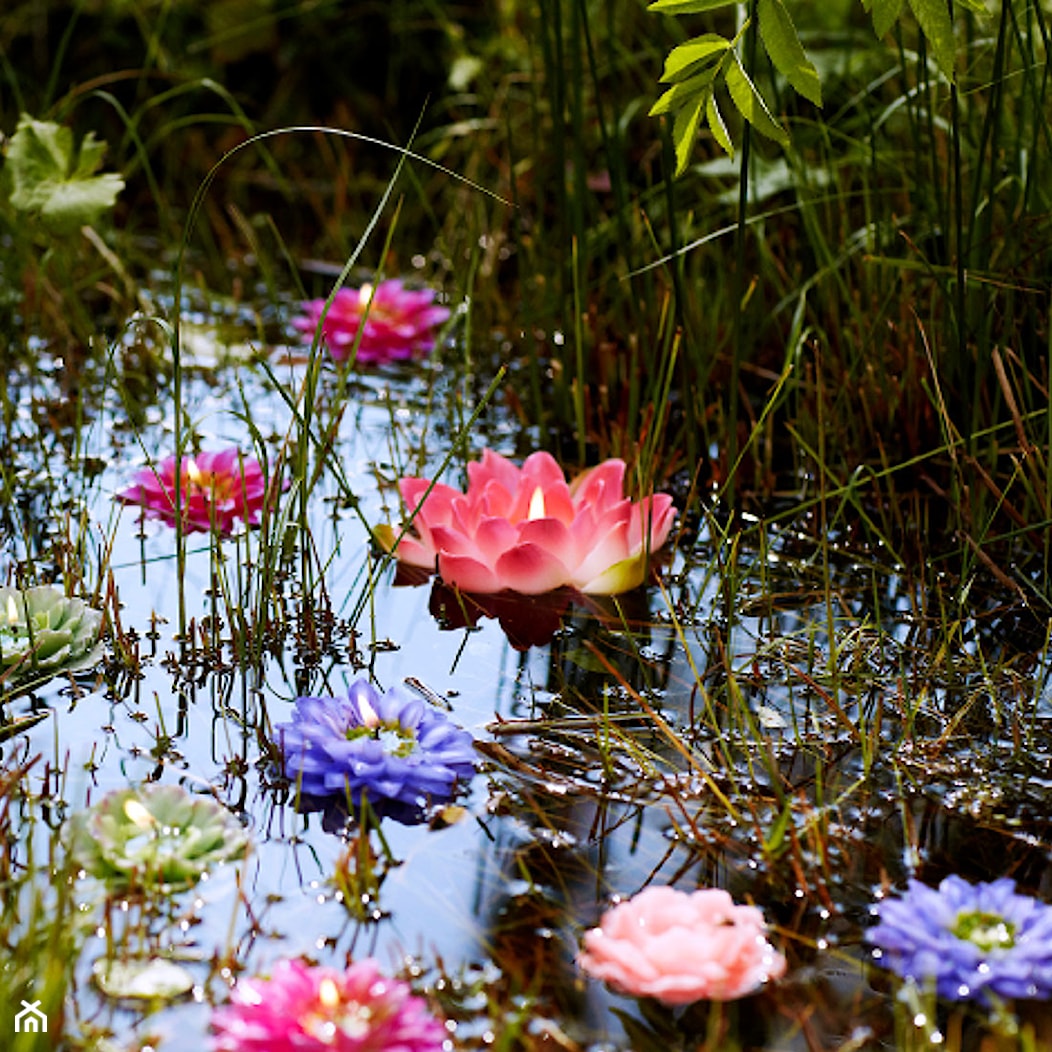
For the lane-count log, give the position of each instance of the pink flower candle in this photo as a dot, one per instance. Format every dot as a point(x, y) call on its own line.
point(528, 530)
point(304, 1009)
point(680, 947)
point(215, 489)
point(396, 323)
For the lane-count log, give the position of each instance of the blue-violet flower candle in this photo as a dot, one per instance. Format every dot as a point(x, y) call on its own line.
point(968, 940)
point(388, 745)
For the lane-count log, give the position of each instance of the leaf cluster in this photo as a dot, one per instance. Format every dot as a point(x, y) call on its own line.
point(696, 68)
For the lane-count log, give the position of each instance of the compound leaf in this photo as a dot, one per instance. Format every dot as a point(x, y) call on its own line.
point(786, 52)
point(686, 59)
point(751, 105)
point(935, 23)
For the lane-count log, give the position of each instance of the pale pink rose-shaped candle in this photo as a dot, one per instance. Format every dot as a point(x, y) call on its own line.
point(397, 323)
point(680, 947)
point(304, 1009)
point(527, 530)
point(215, 490)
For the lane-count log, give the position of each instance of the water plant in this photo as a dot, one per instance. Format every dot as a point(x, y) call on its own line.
point(213, 489)
point(299, 1008)
point(43, 631)
point(154, 836)
point(679, 947)
point(387, 746)
point(529, 531)
point(971, 942)
point(374, 324)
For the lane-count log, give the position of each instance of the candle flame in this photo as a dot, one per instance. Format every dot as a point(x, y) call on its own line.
point(138, 814)
point(537, 509)
point(370, 717)
point(328, 993)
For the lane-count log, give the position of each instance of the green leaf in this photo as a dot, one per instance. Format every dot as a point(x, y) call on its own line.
point(685, 130)
point(51, 180)
point(688, 7)
point(751, 105)
point(686, 59)
point(716, 125)
point(786, 52)
point(935, 23)
point(682, 94)
point(885, 14)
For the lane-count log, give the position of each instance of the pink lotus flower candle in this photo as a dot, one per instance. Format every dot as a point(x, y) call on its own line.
point(215, 489)
point(396, 322)
point(304, 1009)
point(680, 947)
point(526, 529)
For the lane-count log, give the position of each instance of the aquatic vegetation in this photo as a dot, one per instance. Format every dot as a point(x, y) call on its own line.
point(215, 490)
point(44, 631)
point(154, 835)
point(299, 1009)
point(680, 947)
point(969, 941)
point(388, 746)
point(527, 530)
point(396, 323)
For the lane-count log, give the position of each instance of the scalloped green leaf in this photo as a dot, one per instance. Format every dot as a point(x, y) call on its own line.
point(686, 59)
point(937, 26)
point(49, 178)
point(688, 7)
point(786, 52)
point(750, 103)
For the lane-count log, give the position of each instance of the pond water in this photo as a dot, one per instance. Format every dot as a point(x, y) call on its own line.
point(769, 719)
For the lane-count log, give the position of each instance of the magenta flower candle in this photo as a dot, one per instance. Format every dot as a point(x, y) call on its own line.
point(215, 490)
point(528, 530)
point(969, 941)
point(304, 1009)
point(680, 947)
point(396, 323)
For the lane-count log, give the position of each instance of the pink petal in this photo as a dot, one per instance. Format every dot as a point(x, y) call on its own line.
point(493, 467)
point(416, 553)
point(602, 485)
point(493, 498)
point(602, 552)
point(494, 537)
point(450, 541)
point(469, 575)
point(552, 536)
point(531, 570)
point(542, 469)
point(657, 513)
